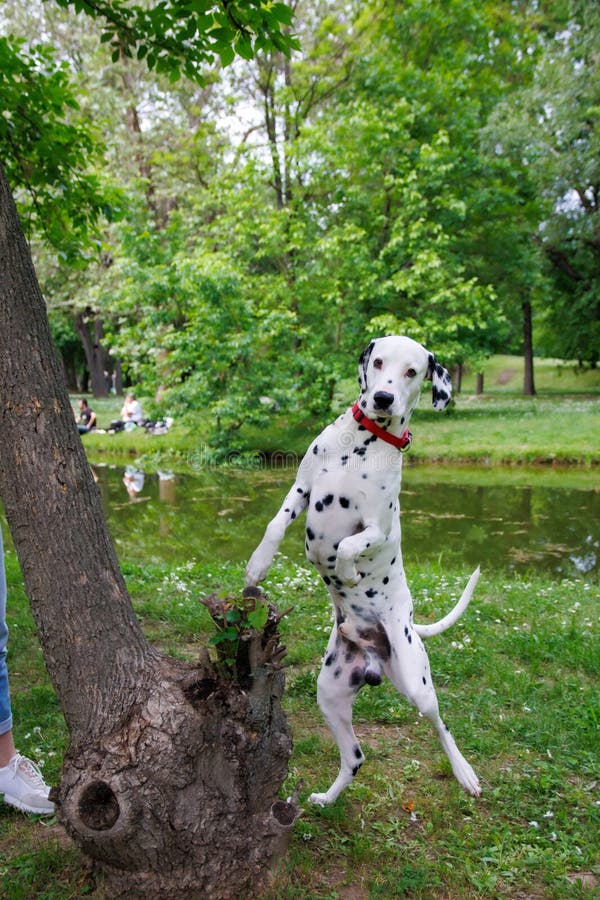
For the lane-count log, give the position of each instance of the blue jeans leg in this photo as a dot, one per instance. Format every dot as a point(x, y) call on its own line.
point(5, 710)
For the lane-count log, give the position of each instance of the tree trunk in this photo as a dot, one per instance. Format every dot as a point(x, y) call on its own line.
point(528, 383)
point(117, 377)
point(479, 383)
point(171, 778)
point(458, 376)
point(95, 354)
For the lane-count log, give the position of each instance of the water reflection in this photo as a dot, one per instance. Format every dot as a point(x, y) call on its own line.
point(456, 513)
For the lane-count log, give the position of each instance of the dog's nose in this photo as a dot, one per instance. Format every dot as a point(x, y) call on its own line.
point(382, 399)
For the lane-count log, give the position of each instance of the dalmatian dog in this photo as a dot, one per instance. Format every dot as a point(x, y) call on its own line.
point(349, 482)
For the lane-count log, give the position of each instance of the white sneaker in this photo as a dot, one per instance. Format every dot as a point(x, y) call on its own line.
point(23, 786)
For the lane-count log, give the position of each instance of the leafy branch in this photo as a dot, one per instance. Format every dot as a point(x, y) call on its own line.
point(247, 634)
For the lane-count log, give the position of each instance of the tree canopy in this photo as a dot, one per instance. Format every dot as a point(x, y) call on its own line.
point(358, 168)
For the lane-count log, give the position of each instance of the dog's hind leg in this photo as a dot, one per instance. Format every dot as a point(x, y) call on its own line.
point(409, 672)
point(341, 677)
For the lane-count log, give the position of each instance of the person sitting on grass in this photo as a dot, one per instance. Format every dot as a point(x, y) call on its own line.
point(131, 415)
point(87, 417)
point(21, 782)
point(132, 411)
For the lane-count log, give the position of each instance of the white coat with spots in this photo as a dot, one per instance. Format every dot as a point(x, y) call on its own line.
point(349, 482)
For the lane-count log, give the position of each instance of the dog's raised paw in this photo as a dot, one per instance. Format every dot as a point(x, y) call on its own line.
point(347, 573)
point(318, 800)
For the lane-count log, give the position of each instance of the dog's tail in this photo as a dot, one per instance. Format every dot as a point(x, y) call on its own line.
point(453, 615)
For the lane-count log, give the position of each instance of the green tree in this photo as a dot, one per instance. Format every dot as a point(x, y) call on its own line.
point(547, 138)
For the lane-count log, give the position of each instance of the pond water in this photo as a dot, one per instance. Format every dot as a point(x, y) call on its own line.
point(502, 519)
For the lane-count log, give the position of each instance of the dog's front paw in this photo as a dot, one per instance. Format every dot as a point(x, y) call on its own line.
point(347, 572)
point(257, 568)
point(319, 800)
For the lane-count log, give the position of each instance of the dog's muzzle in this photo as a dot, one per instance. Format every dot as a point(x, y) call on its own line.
point(382, 400)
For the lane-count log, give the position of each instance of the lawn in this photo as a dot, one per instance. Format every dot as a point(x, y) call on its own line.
point(558, 426)
point(517, 680)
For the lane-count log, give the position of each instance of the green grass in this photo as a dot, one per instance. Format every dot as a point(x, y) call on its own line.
point(517, 680)
point(504, 374)
point(558, 426)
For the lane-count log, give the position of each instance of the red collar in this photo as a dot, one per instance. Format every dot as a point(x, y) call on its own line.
point(402, 443)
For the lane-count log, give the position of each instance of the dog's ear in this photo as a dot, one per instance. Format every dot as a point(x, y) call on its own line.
point(441, 390)
point(363, 362)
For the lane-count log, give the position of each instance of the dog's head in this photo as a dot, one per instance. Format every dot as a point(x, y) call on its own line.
point(391, 371)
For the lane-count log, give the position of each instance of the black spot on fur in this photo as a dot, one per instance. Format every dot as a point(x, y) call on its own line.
point(328, 500)
point(357, 677)
point(316, 449)
point(355, 770)
point(344, 502)
point(385, 579)
point(310, 534)
point(326, 579)
point(337, 673)
point(424, 680)
point(330, 659)
point(439, 394)
point(360, 451)
point(371, 592)
point(319, 506)
point(357, 752)
point(293, 516)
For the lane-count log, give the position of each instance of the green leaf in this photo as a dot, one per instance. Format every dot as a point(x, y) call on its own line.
point(258, 617)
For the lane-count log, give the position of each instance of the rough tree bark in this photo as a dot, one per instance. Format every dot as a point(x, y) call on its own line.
point(171, 779)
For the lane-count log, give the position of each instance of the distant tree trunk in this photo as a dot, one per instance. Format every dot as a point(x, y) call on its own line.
point(118, 377)
point(479, 383)
point(95, 354)
point(458, 376)
point(171, 778)
point(528, 383)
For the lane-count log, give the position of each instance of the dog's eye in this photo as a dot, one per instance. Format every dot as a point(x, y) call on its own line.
point(410, 373)
point(378, 363)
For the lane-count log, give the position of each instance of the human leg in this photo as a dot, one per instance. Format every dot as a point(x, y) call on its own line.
point(5, 709)
point(21, 782)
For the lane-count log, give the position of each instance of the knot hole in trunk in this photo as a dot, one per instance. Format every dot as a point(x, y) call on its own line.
point(98, 806)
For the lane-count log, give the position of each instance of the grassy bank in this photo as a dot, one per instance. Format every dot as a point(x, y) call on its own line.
point(486, 430)
point(517, 682)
